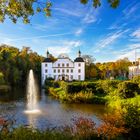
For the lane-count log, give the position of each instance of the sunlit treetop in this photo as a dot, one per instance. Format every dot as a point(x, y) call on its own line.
point(24, 9)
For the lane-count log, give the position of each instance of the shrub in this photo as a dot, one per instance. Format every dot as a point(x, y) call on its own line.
point(132, 116)
point(84, 128)
point(56, 84)
point(132, 120)
point(136, 79)
point(48, 83)
point(112, 126)
point(2, 81)
point(108, 86)
point(128, 89)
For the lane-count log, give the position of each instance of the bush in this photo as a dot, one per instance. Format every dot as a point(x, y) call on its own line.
point(136, 79)
point(132, 120)
point(128, 89)
point(56, 84)
point(49, 82)
point(108, 86)
point(2, 81)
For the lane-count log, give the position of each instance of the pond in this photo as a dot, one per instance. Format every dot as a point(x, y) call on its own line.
point(53, 112)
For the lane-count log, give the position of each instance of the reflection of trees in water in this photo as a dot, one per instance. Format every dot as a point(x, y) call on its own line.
point(7, 111)
point(7, 115)
point(97, 110)
point(14, 95)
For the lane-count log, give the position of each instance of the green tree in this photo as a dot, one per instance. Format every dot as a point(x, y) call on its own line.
point(1, 78)
point(24, 9)
point(15, 64)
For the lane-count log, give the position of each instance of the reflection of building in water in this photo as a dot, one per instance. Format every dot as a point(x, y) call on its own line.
point(134, 70)
point(63, 68)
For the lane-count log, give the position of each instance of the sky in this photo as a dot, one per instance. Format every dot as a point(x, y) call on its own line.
point(105, 33)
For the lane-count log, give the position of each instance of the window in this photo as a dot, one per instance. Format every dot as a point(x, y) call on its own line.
point(71, 77)
point(58, 70)
point(54, 76)
point(71, 70)
point(46, 71)
point(63, 65)
point(46, 65)
point(67, 64)
point(79, 70)
point(67, 70)
point(79, 64)
point(63, 70)
point(54, 70)
point(79, 77)
point(58, 65)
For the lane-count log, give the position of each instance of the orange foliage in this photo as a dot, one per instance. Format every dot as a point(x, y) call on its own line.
point(112, 126)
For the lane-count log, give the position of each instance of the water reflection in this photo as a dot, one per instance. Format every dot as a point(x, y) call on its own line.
point(53, 113)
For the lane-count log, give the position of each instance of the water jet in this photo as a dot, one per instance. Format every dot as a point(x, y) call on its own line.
point(32, 94)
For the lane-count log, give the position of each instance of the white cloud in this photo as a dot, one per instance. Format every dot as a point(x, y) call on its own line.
point(111, 38)
point(79, 31)
point(129, 52)
point(130, 55)
point(68, 12)
point(38, 37)
point(129, 15)
point(63, 47)
point(130, 10)
point(136, 33)
point(91, 16)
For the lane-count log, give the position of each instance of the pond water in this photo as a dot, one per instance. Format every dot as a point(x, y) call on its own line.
point(52, 114)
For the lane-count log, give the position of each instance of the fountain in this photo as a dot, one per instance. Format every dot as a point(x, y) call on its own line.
point(32, 94)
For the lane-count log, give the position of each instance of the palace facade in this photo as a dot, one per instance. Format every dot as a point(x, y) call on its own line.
point(63, 68)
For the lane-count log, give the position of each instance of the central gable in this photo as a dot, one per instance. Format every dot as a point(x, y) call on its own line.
point(63, 62)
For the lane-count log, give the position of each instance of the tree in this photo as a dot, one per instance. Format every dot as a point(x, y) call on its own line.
point(91, 69)
point(1, 78)
point(88, 59)
point(15, 64)
point(24, 9)
point(115, 69)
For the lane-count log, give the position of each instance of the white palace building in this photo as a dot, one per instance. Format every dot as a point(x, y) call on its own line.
point(63, 68)
point(134, 70)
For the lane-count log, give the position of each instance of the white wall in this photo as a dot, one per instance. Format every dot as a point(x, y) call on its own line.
point(74, 66)
point(134, 71)
point(45, 66)
point(76, 71)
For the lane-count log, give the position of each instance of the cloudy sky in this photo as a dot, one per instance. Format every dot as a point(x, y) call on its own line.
point(105, 33)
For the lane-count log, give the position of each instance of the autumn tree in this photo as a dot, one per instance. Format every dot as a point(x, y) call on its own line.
point(24, 9)
point(15, 64)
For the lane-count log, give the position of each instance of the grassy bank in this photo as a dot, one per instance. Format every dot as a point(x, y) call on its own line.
point(80, 97)
point(122, 97)
point(97, 92)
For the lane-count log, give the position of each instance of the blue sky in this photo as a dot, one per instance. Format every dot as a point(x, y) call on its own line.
point(105, 33)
